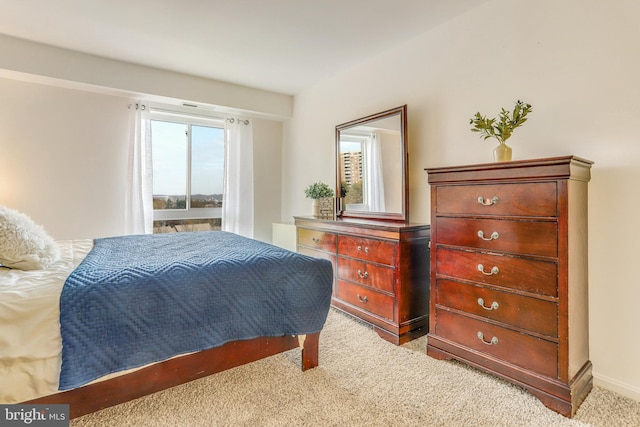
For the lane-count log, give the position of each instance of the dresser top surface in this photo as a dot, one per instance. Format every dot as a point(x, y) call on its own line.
point(565, 167)
point(363, 223)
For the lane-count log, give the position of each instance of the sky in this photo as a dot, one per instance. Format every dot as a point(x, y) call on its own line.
point(170, 159)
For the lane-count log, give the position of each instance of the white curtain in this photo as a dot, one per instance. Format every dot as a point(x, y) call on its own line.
point(237, 204)
point(374, 181)
point(139, 196)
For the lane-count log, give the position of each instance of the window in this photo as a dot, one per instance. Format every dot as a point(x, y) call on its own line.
point(351, 152)
point(188, 172)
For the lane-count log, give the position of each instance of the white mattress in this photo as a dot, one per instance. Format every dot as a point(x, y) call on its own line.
point(30, 343)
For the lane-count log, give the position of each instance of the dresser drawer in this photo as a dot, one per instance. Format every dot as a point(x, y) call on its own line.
point(373, 250)
point(366, 299)
point(531, 353)
point(375, 276)
point(522, 237)
point(533, 314)
point(318, 254)
point(317, 239)
point(529, 199)
point(529, 275)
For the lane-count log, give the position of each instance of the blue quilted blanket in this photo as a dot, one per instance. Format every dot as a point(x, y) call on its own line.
point(135, 300)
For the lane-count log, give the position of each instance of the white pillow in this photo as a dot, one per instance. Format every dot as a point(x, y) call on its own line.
point(24, 245)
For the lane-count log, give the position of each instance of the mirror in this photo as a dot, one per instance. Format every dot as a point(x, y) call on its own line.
point(371, 164)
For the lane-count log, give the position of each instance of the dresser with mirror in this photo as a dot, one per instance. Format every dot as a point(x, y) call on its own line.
point(380, 259)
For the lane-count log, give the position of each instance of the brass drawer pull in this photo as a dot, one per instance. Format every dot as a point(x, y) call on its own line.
point(494, 235)
point(494, 340)
point(361, 275)
point(363, 299)
point(490, 202)
point(315, 240)
point(366, 249)
point(494, 270)
point(494, 305)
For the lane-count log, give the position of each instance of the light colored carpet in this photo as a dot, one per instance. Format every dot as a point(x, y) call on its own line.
point(362, 381)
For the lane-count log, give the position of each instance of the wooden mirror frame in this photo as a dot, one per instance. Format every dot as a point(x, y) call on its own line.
point(403, 215)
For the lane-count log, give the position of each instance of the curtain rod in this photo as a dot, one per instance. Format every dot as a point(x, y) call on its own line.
point(138, 106)
point(176, 113)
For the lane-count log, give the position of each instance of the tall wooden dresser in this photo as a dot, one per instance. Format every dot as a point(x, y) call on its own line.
point(509, 281)
point(381, 271)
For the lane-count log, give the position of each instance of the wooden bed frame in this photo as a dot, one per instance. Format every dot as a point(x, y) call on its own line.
point(160, 376)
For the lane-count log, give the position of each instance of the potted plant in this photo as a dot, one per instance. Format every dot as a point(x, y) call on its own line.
point(501, 128)
point(322, 196)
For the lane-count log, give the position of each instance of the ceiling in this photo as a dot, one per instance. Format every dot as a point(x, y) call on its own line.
point(283, 46)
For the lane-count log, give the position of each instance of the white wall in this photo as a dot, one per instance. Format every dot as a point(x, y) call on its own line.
point(64, 157)
point(577, 63)
point(64, 154)
point(267, 155)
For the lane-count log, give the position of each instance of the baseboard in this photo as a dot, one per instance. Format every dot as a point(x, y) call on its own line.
point(619, 387)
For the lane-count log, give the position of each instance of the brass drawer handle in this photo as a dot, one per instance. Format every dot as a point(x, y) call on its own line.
point(363, 299)
point(494, 340)
point(361, 275)
point(490, 202)
point(494, 305)
point(366, 249)
point(494, 270)
point(315, 240)
point(493, 236)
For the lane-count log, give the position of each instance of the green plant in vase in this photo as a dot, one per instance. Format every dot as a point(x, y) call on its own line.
point(501, 128)
point(319, 191)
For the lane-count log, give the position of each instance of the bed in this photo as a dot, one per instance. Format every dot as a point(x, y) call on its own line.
point(267, 300)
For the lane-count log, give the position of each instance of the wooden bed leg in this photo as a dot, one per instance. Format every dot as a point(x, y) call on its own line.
point(310, 351)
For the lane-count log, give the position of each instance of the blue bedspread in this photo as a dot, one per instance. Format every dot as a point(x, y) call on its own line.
point(135, 300)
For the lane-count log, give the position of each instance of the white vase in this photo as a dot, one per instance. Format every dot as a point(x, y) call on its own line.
point(315, 207)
